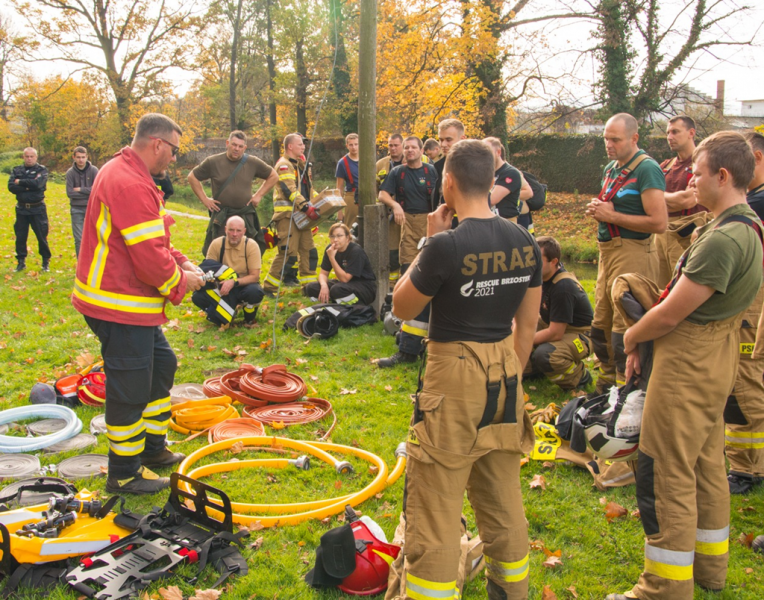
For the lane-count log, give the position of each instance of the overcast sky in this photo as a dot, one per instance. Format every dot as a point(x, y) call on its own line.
point(741, 67)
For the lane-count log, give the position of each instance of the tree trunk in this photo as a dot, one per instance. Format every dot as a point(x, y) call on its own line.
point(615, 55)
point(348, 107)
point(275, 146)
point(232, 77)
point(367, 109)
point(301, 87)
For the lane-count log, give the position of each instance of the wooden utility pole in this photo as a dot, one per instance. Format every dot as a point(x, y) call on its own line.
point(367, 108)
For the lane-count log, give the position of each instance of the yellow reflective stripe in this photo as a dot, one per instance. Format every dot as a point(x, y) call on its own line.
point(103, 231)
point(282, 208)
point(744, 439)
point(128, 448)
point(415, 328)
point(421, 589)
point(293, 195)
point(125, 432)
point(287, 177)
point(157, 427)
point(165, 288)
point(227, 273)
point(712, 542)
point(121, 302)
point(572, 367)
point(307, 278)
point(250, 308)
point(669, 564)
point(143, 231)
point(157, 407)
point(508, 571)
point(272, 280)
point(350, 299)
point(162, 213)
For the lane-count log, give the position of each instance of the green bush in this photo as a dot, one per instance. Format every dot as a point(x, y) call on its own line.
point(8, 160)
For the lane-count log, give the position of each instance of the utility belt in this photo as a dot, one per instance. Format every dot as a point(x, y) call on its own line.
point(29, 204)
point(495, 373)
point(618, 242)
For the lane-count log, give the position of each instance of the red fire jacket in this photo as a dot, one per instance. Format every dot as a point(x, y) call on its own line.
point(127, 268)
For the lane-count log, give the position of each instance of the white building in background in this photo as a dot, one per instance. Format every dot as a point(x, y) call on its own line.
point(752, 108)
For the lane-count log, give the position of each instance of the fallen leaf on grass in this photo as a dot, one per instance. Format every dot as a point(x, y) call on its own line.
point(85, 359)
point(572, 591)
point(301, 361)
point(257, 544)
point(190, 343)
point(344, 392)
point(277, 425)
point(537, 545)
point(548, 594)
point(748, 570)
point(538, 481)
point(314, 378)
point(524, 460)
point(549, 553)
point(547, 464)
point(746, 539)
point(256, 526)
point(171, 593)
point(613, 510)
point(603, 501)
point(206, 595)
point(236, 448)
point(636, 514)
point(552, 562)
point(337, 485)
point(388, 388)
point(300, 543)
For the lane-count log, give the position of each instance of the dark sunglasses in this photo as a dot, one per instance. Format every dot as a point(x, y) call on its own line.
point(175, 149)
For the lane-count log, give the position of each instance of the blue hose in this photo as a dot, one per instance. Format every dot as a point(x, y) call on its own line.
point(11, 445)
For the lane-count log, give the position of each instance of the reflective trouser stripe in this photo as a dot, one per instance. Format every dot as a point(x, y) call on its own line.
point(712, 542)
point(128, 448)
point(225, 272)
point(282, 208)
point(421, 589)
point(744, 439)
point(155, 427)
point(119, 433)
point(157, 407)
point(568, 371)
point(222, 307)
point(508, 571)
point(394, 276)
point(669, 564)
point(351, 299)
point(250, 308)
point(272, 280)
point(419, 328)
point(307, 278)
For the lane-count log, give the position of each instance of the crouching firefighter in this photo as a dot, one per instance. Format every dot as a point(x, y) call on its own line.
point(469, 428)
point(234, 261)
point(293, 193)
point(682, 489)
point(562, 341)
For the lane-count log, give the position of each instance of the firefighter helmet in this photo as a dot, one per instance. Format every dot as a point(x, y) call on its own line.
point(320, 324)
point(92, 389)
point(67, 390)
point(392, 323)
point(373, 558)
point(270, 236)
point(600, 418)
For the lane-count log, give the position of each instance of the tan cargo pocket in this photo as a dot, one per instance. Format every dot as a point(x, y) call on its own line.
point(425, 423)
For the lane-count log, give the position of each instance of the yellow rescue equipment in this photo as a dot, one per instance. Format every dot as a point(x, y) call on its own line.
point(273, 515)
point(84, 534)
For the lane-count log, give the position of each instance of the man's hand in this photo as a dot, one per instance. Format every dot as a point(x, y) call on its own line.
point(632, 365)
point(17, 181)
point(194, 281)
point(77, 189)
point(211, 204)
point(255, 200)
point(439, 220)
point(226, 287)
point(323, 295)
point(398, 214)
point(601, 211)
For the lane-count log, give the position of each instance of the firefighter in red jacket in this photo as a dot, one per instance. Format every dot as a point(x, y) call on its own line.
point(127, 271)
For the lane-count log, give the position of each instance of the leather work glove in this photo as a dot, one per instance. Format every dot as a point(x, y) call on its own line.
point(312, 213)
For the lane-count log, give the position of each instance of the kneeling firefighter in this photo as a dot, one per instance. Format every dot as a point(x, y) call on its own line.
point(469, 428)
point(234, 262)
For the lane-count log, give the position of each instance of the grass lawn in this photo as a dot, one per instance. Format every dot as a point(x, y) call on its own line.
point(42, 337)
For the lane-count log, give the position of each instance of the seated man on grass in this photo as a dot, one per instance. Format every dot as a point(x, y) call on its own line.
point(234, 260)
point(355, 283)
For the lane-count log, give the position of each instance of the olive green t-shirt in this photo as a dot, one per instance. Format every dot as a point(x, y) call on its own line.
point(628, 199)
point(219, 167)
point(729, 260)
point(242, 258)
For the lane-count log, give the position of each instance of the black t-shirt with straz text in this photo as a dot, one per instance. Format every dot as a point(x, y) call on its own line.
point(413, 189)
point(565, 302)
point(353, 261)
point(477, 275)
point(509, 177)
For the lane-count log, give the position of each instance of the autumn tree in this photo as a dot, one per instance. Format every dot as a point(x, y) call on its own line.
point(130, 42)
point(10, 53)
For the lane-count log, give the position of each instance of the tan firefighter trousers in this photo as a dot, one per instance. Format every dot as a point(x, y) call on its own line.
point(562, 361)
point(469, 431)
point(744, 414)
point(617, 256)
point(682, 489)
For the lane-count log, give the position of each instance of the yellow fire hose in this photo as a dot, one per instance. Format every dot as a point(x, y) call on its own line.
point(293, 513)
point(196, 416)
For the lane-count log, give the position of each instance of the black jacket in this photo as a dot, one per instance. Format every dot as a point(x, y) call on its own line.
point(82, 179)
point(32, 183)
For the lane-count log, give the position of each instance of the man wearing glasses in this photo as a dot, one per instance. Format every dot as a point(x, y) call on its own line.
point(231, 174)
point(127, 272)
point(355, 283)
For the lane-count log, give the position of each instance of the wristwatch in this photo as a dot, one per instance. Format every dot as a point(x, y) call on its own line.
point(422, 243)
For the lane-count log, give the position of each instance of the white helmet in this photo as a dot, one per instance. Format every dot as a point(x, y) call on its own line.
point(612, 422)
point(392, 323)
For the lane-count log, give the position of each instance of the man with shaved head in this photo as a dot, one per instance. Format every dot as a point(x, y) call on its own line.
point(28, 183)
point(234, 260)
point(629, 210)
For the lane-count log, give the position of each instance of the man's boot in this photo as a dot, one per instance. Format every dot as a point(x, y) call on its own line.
point(165, 458)
point(21, 266)
point(397, 359)
point(46, 265)
point(143, 482)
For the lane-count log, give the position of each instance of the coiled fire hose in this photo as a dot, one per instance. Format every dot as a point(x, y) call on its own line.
point(235, 428)
point(273, 515)
point(293, 413)
point(13, 445)
point(197, 416)
point(212, 388)
point(272, 384)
